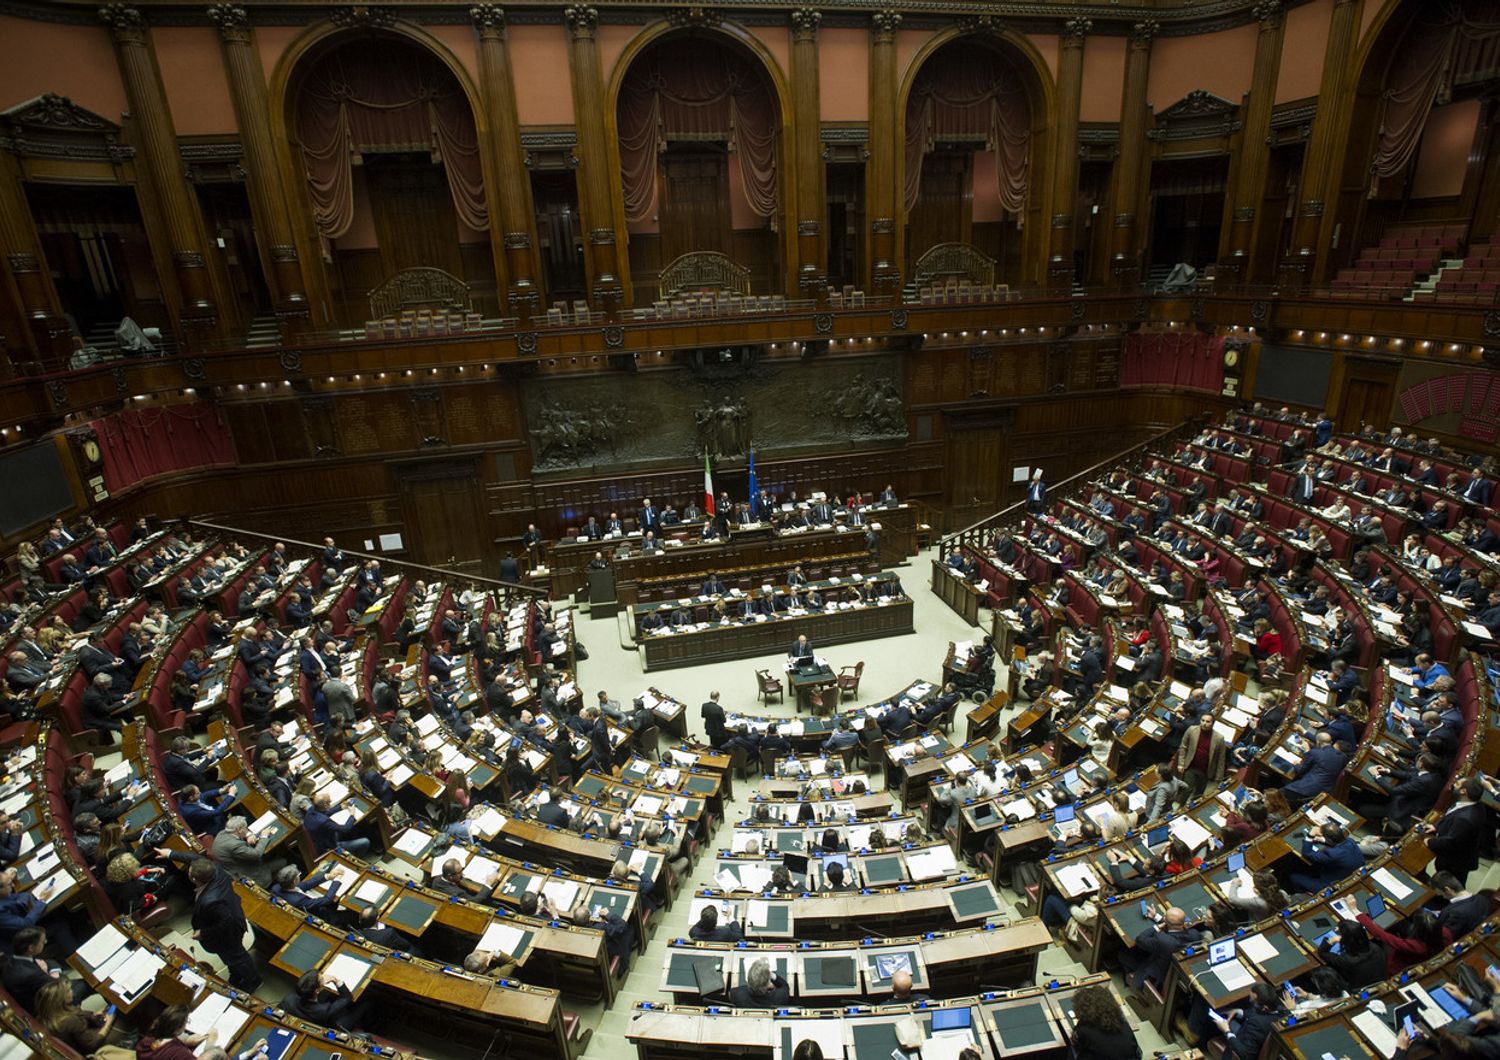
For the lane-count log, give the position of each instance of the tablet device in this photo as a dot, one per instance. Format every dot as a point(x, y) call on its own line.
point(1448, 1003)
point(1375, 905)
point(796, 864)
point(1403, 1014)
point(1236, 861)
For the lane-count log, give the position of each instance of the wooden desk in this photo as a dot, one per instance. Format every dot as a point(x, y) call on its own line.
point(718, 643)
point(956, 591)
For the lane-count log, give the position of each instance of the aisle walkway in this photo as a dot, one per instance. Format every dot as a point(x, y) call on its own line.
point(890, 665)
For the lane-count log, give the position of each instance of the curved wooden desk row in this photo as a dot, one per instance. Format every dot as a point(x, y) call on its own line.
point(1034, 1021)
point(129, 968)
point(996, 955)
point(414, 992)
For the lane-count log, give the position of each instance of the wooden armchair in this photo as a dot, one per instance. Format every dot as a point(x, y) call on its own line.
point(768, 685)
point(849, 680)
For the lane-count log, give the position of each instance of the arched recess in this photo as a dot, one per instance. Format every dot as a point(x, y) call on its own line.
point(1399, 39)
point(1022, 58)
point(291, 68)
point(739, 39)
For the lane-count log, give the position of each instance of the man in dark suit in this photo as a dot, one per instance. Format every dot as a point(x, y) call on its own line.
point(1477, 490)
point(1459, 837)
point(552, 811)
point(185, 764)
point(1149, 956)
point(1317, 773)
point(1413, 792)
point(822, 513)
point(897, 719)
point(1036, 492)
point(1303, 486)
point(1331, 854)
point(801, 648)
point(101, 551)
point(649, 517)
point(713, 721)
point(1464, 911)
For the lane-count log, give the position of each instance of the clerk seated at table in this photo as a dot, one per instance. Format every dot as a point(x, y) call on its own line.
point(708, 928)
point(682, 617)
point(762, 988)
point(713, 585)
point(801, 648)
point(651, 622)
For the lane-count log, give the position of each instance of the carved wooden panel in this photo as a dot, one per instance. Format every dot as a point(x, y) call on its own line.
point(357, 428)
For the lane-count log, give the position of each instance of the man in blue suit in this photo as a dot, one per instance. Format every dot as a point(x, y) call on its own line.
point(1330, 857)
point(1317, 772)
point(1477, 490)
point(1036, 492)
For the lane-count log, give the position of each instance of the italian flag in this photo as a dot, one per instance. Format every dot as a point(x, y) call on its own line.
point(708, 486)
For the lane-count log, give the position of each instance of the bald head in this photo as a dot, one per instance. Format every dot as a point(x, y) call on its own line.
point(901, 984)
point(1176, 919)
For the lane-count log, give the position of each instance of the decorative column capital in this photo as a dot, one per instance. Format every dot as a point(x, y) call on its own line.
point(1267, 13)
point(488, 19)
point(1075, 29)
point(581, 19)
point(233, 22)
point(985, 23)
point(885, 23)
point(127, 22)
point(805, 22)
point(1143, 32)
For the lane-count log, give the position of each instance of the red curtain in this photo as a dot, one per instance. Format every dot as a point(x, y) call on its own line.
point(968, 93)
point(1449, 42)
point(385, 95)
point(141, 443)
point(696, 90)
point(1182, 360)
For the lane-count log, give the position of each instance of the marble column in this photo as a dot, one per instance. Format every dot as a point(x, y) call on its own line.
point(1065, 152)
point(601, 237)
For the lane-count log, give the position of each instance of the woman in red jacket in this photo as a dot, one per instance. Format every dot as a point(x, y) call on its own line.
point(1424, 939)
point(1267, 641)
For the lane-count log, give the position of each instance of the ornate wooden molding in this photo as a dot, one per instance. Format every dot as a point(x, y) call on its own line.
point(805, 22)
point(1198, 115)
point(232, 21)
point(582, 20)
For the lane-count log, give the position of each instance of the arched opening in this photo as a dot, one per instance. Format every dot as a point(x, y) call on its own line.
point(385, 135)
point(700, 137)
point(974, 150)
point(1422, 161)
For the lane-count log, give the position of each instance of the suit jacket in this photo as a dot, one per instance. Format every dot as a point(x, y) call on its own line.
point(1217, 752)
point(1335, 862)
point(1465, 914)
point(180, 772)
point(1157, 946)
point(1318, 771)
point(1414, 794)
point(1458, 838)
point(1477, 491)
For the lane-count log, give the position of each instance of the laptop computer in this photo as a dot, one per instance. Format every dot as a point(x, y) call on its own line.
point(802, 662)
point(1157, 838)
point(952, 1019)
point(709, 975)
point(1065, 818)
point(1221, 951)
point(1070, 778)
point(1236, 861)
